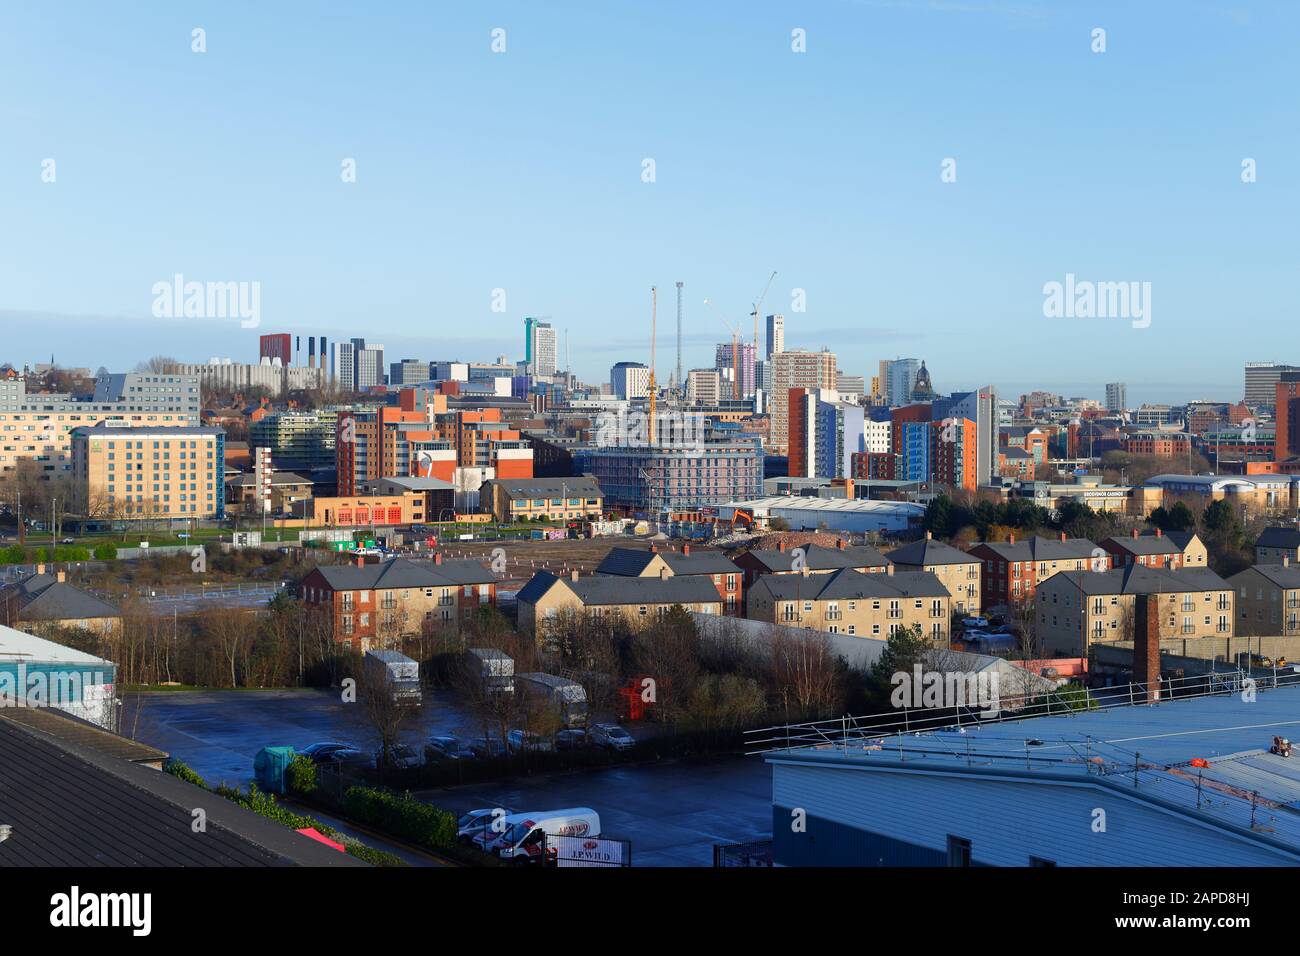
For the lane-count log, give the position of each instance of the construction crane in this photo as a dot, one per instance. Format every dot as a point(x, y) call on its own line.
point(758, 304)
point(735, 350)
point(654, 307)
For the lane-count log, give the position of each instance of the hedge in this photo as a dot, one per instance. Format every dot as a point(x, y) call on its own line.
point(266, 805)
point(402, 816)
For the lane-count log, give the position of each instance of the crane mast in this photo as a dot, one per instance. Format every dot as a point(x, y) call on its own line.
point(654, 306)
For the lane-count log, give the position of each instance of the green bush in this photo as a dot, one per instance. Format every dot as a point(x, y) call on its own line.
point(106, 551)
point(178, 769)
point(13, 555)
point(402, 816)
point(370, 854)
point(301, 775)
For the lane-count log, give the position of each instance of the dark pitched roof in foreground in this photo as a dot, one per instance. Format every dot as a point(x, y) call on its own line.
point(1140, 579)
point(70, 804)
point(822, 559)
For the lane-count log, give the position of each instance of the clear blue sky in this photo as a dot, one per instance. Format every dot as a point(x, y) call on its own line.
point(522, 171)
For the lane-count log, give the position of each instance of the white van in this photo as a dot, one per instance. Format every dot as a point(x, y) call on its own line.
point(526, 833)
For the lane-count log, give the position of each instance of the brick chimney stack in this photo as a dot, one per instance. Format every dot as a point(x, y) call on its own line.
point(1133, 533)
point(929, 536)
point(1062, 535)
point(573, 575)
point(437, 557)
point(686, 549)
point(1146, 644)
point(1159, 533)
point(780, 545)
point(839, 543)
point(1011, 538)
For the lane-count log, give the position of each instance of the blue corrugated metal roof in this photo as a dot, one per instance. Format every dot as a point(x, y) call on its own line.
point(1148, 747)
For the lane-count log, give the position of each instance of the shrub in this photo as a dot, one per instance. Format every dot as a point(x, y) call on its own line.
point(179, 769)
point(106, 551)
point(402, 816)
point(301, 775)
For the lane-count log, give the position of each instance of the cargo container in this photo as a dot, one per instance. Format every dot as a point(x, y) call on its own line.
point(399, 672)
point(566, 697)
point(496, 669)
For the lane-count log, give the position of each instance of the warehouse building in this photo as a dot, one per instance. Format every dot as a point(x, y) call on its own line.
point(1186, 782)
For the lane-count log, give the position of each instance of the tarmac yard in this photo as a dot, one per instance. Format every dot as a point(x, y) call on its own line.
point(672, 811)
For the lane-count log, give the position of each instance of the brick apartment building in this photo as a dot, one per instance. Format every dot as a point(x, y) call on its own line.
point(373, 605)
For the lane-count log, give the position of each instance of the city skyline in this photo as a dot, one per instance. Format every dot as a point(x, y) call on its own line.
point(497, 168)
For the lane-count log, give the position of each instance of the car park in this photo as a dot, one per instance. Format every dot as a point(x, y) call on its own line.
point(611, 736)
point(448, 748)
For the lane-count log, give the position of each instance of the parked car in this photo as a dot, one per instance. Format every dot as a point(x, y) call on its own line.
point(448, 748)
point(572, 740)
point(323, 751)
point(612, 736)
point(488, 747)
point(348, 756)
point(401, 756)
point(68, 541)
point(477, 822)
point(523, 741)
point(975, 623)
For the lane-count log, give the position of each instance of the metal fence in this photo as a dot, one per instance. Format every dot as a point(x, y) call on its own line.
point(754, 853)
point(856, 730)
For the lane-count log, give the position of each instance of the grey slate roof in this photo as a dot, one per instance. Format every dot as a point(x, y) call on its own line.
point(632, 562)
point(1144, 544)
point(1286, 576)
point(72, 804)
point(516, 488)
point(928, 551)
point(1039, 548)
point(400, 573)
point(1279, 538)
point(42, 597)
point(1139, 579)
point(605, 590)
point(823, 559)
point(847, 584)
